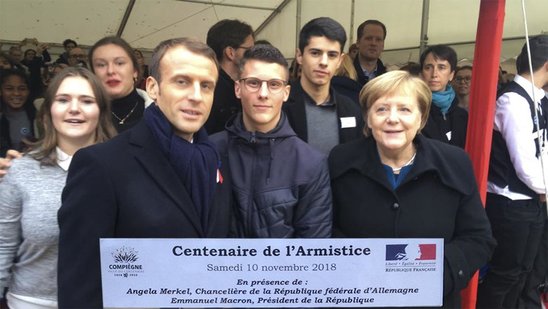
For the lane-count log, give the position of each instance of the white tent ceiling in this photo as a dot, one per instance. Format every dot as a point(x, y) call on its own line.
point(144, 23)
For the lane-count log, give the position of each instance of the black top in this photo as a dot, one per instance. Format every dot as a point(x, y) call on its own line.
point(127, 111)
point(347, 87)
point(455, 121)
point(225, 104)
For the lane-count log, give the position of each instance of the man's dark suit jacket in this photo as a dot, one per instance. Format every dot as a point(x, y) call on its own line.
point(362, 79)
point(296, 114)
point(124, 188)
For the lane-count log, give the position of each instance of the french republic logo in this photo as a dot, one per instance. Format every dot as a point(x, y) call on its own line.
point(410, 257)
point(125, 262)
point(421, 252)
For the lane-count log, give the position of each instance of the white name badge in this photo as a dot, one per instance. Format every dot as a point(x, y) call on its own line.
point(271, 273)
point(348, 122)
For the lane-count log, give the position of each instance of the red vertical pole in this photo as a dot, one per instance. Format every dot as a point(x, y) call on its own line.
point(482, 105)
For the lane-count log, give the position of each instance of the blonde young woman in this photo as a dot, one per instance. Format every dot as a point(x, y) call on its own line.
point(76, 114)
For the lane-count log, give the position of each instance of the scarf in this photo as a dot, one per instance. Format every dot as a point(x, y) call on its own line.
point(443, 99)
point(196, 163)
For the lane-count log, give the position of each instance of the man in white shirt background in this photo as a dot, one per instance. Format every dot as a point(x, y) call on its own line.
point(516, 190)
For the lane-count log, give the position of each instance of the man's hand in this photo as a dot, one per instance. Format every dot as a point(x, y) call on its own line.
point(5, 163)
point(41, 48)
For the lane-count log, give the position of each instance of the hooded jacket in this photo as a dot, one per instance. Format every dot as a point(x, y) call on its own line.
point(280, 183)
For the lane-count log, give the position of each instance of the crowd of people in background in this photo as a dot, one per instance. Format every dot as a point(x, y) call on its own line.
point(224, 139)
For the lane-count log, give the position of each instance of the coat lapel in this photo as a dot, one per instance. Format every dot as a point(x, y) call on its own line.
point(295, 111)
point(360, 155)
point(371, 165)
point(146, 150)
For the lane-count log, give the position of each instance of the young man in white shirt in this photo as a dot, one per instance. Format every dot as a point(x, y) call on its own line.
point(516, 190)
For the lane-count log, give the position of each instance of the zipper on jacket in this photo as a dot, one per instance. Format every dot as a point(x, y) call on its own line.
point(251, 209)
point(271, 145)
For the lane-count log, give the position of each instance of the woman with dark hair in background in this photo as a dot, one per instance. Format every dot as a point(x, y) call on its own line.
point(16, 111)
point(447, 121)
point(68, 44)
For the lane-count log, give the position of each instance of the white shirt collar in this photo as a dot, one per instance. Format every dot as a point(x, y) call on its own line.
point(527, 85)
point(63, 159)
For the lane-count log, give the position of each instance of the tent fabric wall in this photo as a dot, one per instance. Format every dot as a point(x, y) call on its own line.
point(151, 21)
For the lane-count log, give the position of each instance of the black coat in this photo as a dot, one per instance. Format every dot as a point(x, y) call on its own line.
point(225, 104)
point(455, 121)
point(347, 87)
point(35, 72)
point(437, 199)
point(296, 114)
point(362, 79)
point(124, 188)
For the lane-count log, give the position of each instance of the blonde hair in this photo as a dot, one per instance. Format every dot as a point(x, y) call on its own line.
point(396, 83)
point(347, 68)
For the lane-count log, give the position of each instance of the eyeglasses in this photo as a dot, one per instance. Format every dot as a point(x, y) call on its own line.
point(253, 84)
point(79, 56)
point(466, 79)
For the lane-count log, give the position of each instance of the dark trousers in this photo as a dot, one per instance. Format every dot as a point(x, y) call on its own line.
point(517, 226)
point(538, 278)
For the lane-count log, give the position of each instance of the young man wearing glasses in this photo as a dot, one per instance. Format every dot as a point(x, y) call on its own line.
point(77, 58)
point(319, 115)
point(280, 183)
point(461, 84)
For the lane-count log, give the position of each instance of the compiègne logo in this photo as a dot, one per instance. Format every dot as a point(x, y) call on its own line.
point(124, 265)
point(410, 257)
